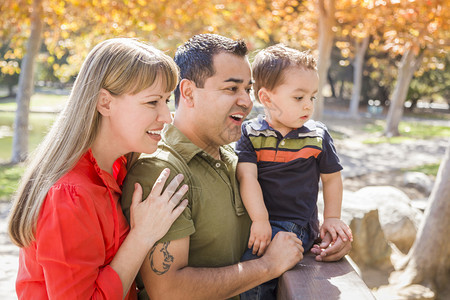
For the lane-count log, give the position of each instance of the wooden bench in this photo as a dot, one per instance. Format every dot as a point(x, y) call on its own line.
point(319, 280)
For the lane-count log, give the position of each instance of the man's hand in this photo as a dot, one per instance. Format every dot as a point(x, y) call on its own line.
point(283, 253)
point(328, 251)
point(260, 234)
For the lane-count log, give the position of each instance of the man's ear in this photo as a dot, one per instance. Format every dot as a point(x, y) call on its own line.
point(104, 102)
point(187, 92)
point(264, 97)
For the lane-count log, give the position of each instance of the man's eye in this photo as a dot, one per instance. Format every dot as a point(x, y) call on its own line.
point(232, 89)
point(248, 90)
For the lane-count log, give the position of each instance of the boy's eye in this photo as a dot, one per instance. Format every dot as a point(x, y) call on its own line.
point(153, 103)
point(167, 101)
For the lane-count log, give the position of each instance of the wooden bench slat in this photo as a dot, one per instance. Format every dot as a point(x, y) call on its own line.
point(319, 280)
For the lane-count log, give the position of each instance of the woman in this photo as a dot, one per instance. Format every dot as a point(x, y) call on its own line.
point(75, 242)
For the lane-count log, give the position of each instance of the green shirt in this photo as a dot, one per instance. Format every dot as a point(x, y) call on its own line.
point(215, 218)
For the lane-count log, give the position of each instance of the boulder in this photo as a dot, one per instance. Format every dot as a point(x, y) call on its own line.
point(398, 218)
point(419, 181)
point(370, 247)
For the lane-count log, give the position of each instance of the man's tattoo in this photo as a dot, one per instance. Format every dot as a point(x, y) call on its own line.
point(168, 259)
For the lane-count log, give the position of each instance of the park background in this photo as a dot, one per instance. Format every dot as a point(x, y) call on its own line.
point(384, 85)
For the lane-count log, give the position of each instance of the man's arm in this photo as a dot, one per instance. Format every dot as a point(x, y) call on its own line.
point(166, 273)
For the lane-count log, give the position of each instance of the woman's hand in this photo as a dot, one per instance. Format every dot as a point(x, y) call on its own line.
point(151, 219)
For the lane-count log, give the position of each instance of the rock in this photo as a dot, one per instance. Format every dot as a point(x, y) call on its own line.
point(398, 218)
point(369, 247)
point(420, 204)
point(419, 181)
point(411, 292)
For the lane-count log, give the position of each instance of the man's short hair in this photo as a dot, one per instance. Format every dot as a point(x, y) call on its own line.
point(269, 65)
point(195, 57)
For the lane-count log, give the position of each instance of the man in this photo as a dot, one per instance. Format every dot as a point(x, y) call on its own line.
point(199, 256)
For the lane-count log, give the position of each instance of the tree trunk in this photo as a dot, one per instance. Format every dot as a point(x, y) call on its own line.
point(358, 65)
point(331, 82)
point(428, 260)
point(341, 90)
point(408, 66)
point(326, 35)
point(26, 85)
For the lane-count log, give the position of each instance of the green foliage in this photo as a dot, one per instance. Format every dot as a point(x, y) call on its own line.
point(432, 83)
point(9, 180)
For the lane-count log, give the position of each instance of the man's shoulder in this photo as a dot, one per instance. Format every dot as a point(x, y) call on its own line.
point(163, 157)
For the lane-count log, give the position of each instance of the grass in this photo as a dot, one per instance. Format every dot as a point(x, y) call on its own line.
point(39, 125)
point(9, 180)
point(429, 169)
point(38, 101)
point(408, 131)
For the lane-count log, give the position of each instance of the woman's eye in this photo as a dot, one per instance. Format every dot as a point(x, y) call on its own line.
point(167, 101)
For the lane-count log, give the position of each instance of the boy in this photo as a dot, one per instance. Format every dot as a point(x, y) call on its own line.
point(283, 155)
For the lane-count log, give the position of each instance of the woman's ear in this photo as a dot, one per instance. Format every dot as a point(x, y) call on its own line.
point(264, 97)
point(104, 102)
point(187, 92)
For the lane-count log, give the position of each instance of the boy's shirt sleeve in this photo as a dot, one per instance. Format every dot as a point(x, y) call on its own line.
point(328, 160)
point(244, 147)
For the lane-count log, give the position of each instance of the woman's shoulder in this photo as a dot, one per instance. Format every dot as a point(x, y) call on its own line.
point(79, 184)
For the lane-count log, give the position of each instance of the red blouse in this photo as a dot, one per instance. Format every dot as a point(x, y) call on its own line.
point(79, 230)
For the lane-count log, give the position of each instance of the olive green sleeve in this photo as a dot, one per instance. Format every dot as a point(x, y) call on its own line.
point(145, 172)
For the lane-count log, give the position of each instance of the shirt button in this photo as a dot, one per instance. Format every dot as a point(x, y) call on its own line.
point(282, 143)
point(217, 165)
point(204, 154)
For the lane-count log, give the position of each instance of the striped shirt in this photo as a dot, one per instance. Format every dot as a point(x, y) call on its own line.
point(289, 167)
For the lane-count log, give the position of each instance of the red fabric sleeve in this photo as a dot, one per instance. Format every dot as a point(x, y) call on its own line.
point(70, 240)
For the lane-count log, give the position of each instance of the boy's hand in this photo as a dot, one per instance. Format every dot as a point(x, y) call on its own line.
point(336, 228)
point(260, 235)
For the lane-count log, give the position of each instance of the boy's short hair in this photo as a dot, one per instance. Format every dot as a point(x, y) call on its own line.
point(195, 57)
point(269, 65)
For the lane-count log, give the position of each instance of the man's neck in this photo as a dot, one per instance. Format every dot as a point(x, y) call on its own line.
point(213, 150)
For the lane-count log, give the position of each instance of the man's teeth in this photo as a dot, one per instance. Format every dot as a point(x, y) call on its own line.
point(154, 132)
point(237, 116)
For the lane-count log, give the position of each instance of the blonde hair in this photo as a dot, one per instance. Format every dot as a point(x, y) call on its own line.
point(269, 65)
point(120, 66)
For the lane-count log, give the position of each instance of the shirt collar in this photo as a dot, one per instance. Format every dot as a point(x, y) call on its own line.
point(179, 142)
point(107, 178)
point(260, 124)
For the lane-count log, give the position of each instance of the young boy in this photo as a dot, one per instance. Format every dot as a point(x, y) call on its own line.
point(283, 154)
